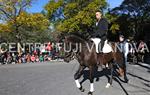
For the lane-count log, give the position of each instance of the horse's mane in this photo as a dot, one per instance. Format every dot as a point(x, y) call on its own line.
point(75, 39)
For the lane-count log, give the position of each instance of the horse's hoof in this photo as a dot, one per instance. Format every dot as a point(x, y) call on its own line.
point(97, 79)
point(126, 80)
point(81, 89)
point(90, 93)
point(108, 85)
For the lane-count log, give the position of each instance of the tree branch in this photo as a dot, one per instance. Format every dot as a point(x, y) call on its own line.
point(5, 13)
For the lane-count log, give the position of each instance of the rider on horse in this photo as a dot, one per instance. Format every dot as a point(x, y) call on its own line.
point(100, 30)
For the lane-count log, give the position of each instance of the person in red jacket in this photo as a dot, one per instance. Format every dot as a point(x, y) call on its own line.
point(49, 48)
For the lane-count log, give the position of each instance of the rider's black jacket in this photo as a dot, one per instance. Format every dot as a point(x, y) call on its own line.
point(101, 29)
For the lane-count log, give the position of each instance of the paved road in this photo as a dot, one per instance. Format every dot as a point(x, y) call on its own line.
point(56, 78)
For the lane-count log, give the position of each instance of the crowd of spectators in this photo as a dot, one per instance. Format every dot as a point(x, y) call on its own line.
point(45, 53)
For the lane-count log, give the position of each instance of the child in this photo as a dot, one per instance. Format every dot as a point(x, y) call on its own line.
point(41, 58)
point(32, 58)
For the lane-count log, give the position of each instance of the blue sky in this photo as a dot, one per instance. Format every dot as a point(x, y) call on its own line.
point(114, 3)
point(38, 5)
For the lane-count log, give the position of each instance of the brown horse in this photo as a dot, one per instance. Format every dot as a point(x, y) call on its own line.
point(87, 57)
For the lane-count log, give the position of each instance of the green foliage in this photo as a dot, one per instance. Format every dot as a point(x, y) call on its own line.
point(52, 6)
point(34, 22)
point(133, 16)
point(79, 15)
point(9, 9)
point(20, 25)
point(113, 23)
point(71, 9)
point(114, 28)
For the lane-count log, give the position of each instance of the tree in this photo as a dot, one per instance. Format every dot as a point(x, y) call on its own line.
point(29, 25)
point(20, 23)
point(79, 15)
point(5, 27)
point(52, 6)
point(10, 10)
point(114, 26)
point(133, 14)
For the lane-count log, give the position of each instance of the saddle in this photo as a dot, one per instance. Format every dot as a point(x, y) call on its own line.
point(106, 49)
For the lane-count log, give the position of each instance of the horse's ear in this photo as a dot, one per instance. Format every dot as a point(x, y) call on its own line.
point(65, 37)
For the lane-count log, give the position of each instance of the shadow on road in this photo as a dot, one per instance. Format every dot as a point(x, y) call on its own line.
point(106, 73)
point(145, 83)
point(143, 87)
point(146, 67)
point(138, 77)
point(97, 75)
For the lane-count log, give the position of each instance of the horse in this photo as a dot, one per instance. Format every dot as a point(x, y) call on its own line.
point(91, 59)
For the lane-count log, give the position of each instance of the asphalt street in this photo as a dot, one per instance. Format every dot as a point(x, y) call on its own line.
point(56, 78)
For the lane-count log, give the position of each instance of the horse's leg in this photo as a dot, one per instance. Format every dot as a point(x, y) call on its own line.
point(123, 72)
point(111, 77)
point(77, 76)
point(96, 70)
point(91, 78)
point(125, 75)
point(112, 70)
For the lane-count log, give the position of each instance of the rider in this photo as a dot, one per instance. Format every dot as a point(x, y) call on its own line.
point(100, 30)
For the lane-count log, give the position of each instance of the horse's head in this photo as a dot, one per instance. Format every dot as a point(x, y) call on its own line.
point(68, 56)
point(71, 47)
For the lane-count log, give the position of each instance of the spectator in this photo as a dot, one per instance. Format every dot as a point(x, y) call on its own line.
point(49, 49)
point(45, 57)
point(23, 58)
point(37, 58)
point(19, 60)
point(28, 57)
point(9, 58)
point(13, 58)
point(124, 45)
point(33, 58)
point(41, 58)
point(141, 47)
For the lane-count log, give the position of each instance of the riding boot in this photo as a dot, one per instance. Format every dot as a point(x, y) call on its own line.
point(101, 45)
